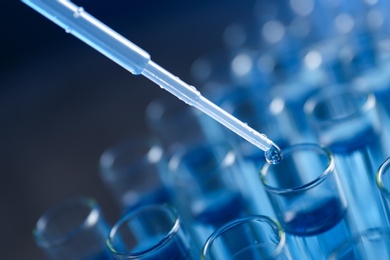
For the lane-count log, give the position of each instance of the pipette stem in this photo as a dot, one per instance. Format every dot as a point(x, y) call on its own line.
point(192, 96)
point(128, 55)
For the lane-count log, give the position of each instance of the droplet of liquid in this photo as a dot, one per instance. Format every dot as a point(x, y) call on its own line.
point(78, 12)
point(273, 155)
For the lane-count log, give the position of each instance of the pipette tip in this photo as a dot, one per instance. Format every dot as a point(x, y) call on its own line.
point(273, 155)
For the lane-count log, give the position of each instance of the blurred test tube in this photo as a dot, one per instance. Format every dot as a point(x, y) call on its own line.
point(131, 171)
point(151, 232)
point(259, 238)
point(264, 115)
point(208, 188)
point(175, 124)
point(383, 184)
point(73, 229)
point(347, 122)
point(369, 244)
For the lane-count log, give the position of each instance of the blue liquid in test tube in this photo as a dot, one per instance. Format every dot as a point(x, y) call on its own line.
point(308, 221)
point(206, 181)
point(220, 200)
point(347, 122)
point(252, 107)
point(310, 206)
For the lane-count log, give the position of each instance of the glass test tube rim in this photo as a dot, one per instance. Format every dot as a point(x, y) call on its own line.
point(330, 167)
point(385, 166)
point(242, 220)
point(90, 220)
point(157, 207)
point(325, 94)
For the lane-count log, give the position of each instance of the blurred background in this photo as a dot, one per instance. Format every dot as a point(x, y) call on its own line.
point(62, 103)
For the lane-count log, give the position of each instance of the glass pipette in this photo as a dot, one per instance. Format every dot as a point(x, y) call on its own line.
point(102, 38)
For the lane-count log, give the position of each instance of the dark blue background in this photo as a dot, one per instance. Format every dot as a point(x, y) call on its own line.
point(62, 103)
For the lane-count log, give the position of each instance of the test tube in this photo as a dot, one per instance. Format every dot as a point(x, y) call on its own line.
point(327, 55)
point(369, 244)
point(294, 92)
point(208, 188)
point(383, 184)
point(151, 232)
point(310, 205)
point(239, 68)
point(377, 81)
point(176, 124)
point(73, 229)
point(221, 72)
point(252, 237)
point(264, 115)
point(260, 111)
point(361, 51)
point(347, 122)
point(133, 171)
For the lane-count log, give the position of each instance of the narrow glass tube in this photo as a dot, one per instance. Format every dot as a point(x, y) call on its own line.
point(150, 232)
point(131, 171)
point(369, 244)
point(308, 200)
point(346, 121)
point(75, 20)
point(73, 229)
point(207, 184)
point(253, 237)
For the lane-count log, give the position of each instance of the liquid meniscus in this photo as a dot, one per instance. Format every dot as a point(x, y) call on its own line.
point(273, 155)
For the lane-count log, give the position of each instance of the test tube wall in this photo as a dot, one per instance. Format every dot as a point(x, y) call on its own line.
point(295, 58)
point(287, 57)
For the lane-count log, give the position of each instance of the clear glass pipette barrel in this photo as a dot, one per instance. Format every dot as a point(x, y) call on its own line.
point(99, 36)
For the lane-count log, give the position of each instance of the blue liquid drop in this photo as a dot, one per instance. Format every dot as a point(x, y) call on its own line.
point(273, 155)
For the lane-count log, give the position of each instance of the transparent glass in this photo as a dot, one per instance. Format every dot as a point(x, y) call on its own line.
point(377, 80)
point(205, 176)
point(253, 237)
point(208, 187)
point(177, 124)
point(73, 229)
point(231, 68)
point(308, 200)
point(150, 232)
point(383, 184)
point(76, 20)
point(259, 111)
point(346, 121)
point(131, 171)
point(265, 116)
point(369, 244)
